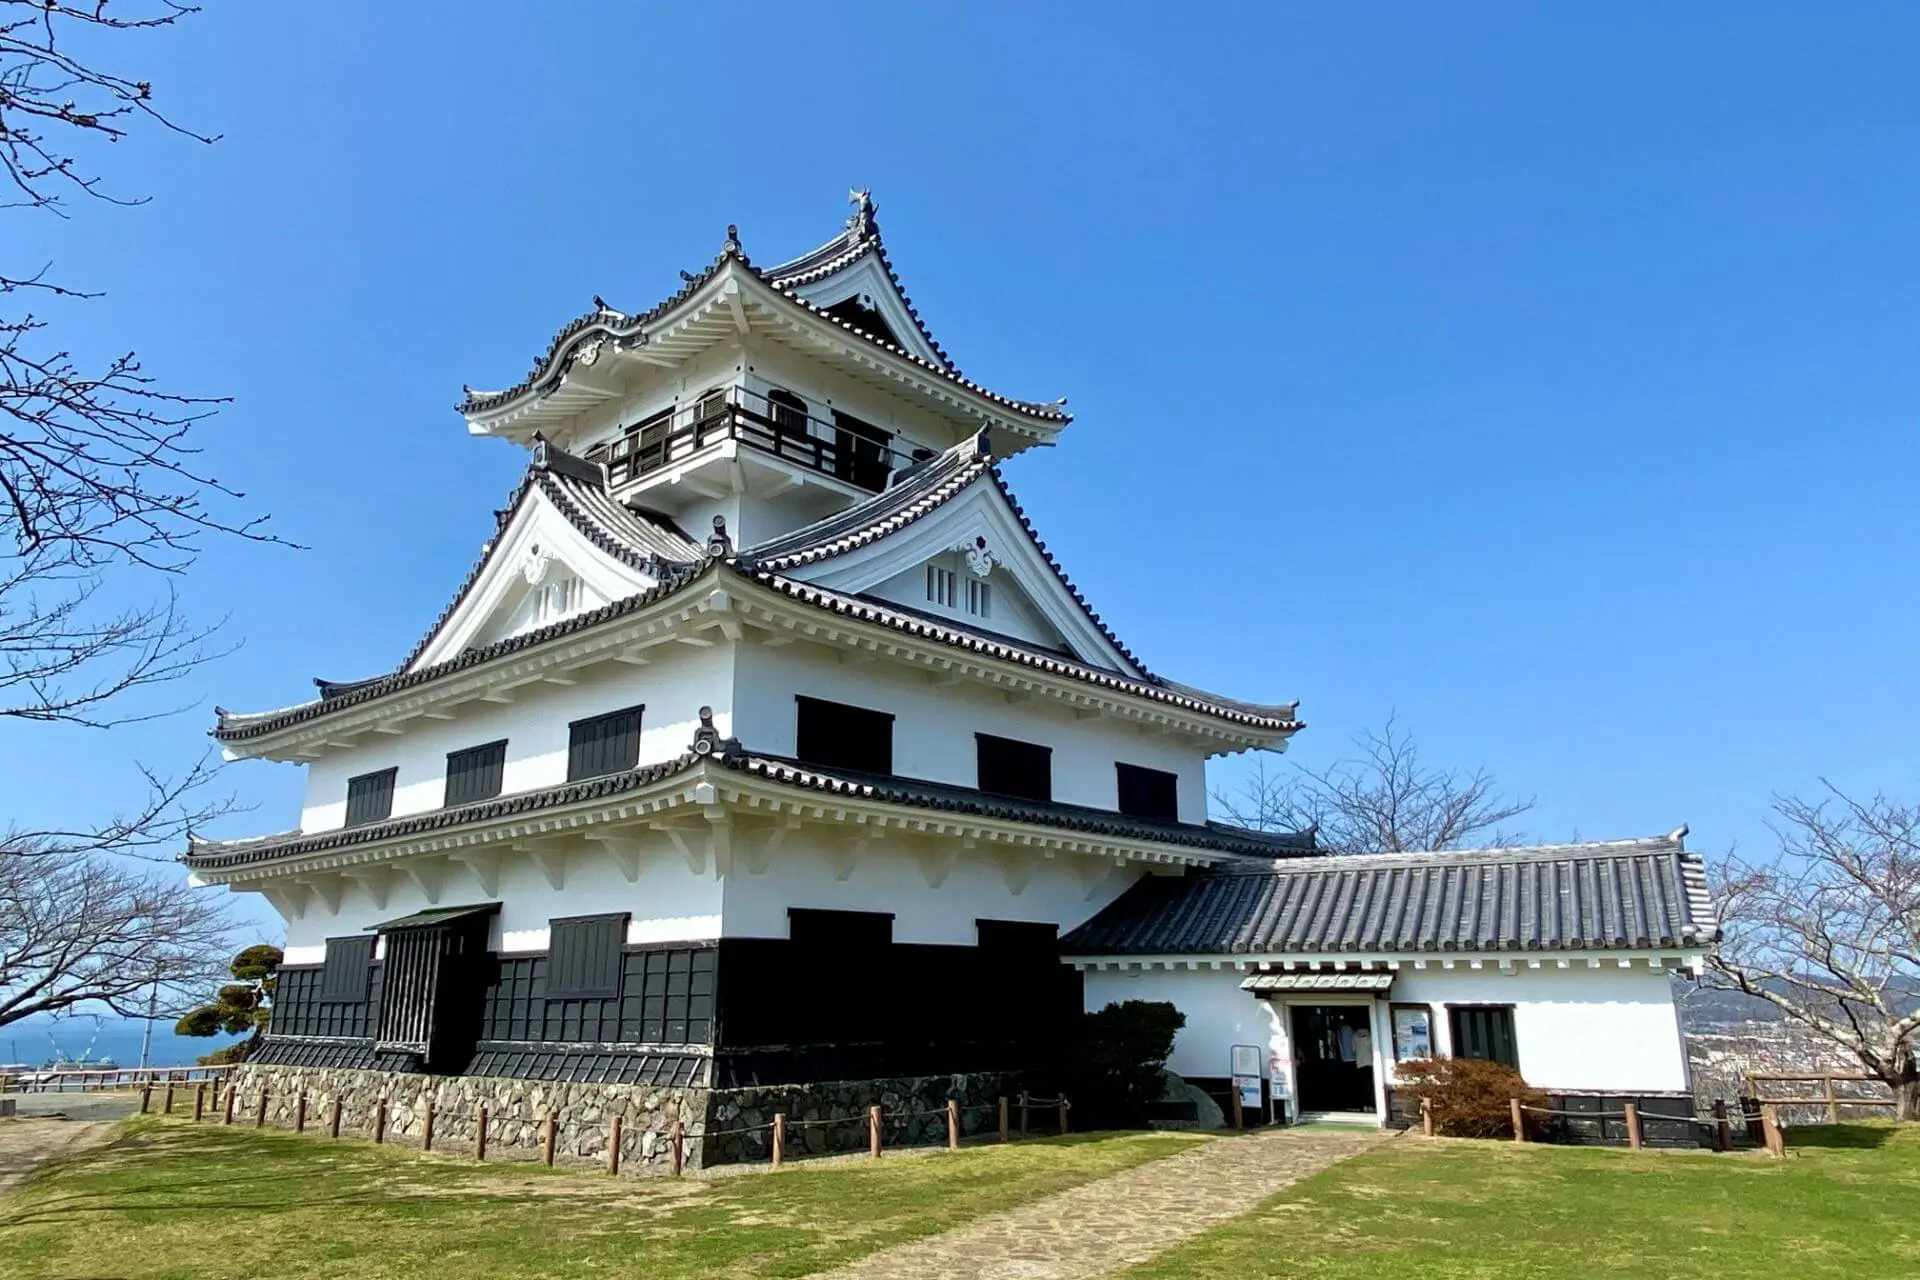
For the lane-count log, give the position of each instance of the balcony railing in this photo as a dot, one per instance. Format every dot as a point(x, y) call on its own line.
point(844, 447)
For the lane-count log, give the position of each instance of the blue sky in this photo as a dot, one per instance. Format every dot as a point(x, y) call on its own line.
point(1544, 377)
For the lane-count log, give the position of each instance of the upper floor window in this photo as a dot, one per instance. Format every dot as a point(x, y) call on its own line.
point(1148, 793)
point(788, 412)
point(945, 588)
point(1012, 768)
point(603, 744)
point(475, 773)
point(370, 797)
point(862, 452)
point(837, 736)
point(584, 957)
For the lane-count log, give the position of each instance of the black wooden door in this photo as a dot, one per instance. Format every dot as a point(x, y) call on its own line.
point(1333, 1057)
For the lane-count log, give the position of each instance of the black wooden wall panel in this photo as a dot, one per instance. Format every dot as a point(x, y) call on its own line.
point(584, 957)
point(370, 797)
point(603, 744)
point(476, 773)
point(344, 975)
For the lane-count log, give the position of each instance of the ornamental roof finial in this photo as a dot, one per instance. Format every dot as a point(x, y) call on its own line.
point(708, 742)
point(719, 546)
point(733, 240)
point(860, 222)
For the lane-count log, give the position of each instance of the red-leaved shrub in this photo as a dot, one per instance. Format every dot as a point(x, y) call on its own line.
point(1469, 1097)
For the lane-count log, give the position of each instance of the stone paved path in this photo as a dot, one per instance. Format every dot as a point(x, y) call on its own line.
point(1099, 1228)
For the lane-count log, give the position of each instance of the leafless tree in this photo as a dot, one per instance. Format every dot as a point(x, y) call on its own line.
point(101, 484)
point(1384, 799)
point(77, 930)
point(1827, 930)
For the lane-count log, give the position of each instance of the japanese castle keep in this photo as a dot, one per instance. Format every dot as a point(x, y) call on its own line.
point(767, 757)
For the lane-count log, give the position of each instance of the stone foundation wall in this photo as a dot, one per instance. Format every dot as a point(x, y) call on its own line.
point(826, 1118)
point(516, 1109)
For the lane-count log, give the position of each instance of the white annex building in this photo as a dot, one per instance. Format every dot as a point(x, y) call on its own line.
point(766, 745)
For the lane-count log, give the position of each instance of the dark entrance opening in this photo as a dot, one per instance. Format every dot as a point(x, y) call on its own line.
point(1333, 1056)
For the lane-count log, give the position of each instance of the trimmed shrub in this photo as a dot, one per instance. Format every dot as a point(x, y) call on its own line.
point(1118, 1062)
point(1469, 1097)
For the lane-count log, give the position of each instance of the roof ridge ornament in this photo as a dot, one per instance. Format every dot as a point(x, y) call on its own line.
point(861, 224)
point(551, 458)
point(732, 244)
point(708, 742)
point(719, 546)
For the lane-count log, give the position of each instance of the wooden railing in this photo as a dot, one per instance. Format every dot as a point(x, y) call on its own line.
point(106, 1079)
point(858, 453)
point(1829, 1097)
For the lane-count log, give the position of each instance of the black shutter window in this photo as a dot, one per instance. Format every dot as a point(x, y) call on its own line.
point(370, 797)
point(583, 957)
point(475, 774)
point(1011, 768)
point(1148, 793)
point(834, 735)
point(603, 745)
point(1486, 1032)
point(349, 962)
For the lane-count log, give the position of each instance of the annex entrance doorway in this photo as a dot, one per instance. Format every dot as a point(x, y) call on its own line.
point(1333, 1057)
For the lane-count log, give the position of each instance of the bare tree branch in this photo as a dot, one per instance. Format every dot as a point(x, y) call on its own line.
point(1827, 930)
point(78, 930)
point(1384, 800)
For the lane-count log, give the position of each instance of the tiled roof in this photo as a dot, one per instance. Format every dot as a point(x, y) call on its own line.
point(1624, 895)
point(861, 238)
point(224, 855)
point(623, 330)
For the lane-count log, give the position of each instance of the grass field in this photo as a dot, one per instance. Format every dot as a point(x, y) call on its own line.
point(1844, 1205)
point(173, 1200)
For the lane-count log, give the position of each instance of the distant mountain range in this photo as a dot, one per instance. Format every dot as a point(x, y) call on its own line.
point(1708, 1009)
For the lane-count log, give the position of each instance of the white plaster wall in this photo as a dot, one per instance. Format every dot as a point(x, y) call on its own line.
point(934, 727)
point(673, 687)
point(1010, 613)
point(668, 903)
point(1578, 1029)
point(890, 876)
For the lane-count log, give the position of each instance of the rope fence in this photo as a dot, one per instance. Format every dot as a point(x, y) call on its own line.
point(1630, 1113)
point(610, 1141)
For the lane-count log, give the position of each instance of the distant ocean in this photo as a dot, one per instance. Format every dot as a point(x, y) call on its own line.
point(34, 1040)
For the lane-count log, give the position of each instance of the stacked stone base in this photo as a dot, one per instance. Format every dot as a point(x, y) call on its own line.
point(717, 1126)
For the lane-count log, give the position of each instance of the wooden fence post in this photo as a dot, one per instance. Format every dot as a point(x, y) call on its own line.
point(1750, 1111)
point(199, 1101)
point(227, 1116)
point(480, 1133)
point(426, 1128)
point(146, 1098)
point(873, 1131)
point(333, 1120)
point(1770, 1130)
point(168, 1109)
point(679, 1146)
point(1633, 1124)
point(260, 1110)
point(548, 1134)
point(380, 1121)
point(1239, 1118)
point(779, 1138)
point(953, 1124)
point(1426, 1117)
point(1833, 1103)
point(1023, 1113)
point(613, 1149)
point(1003, 1117)
point(1063, 1113)
point(1519, 1119)
point(300, 1112)
point(1722, 1131)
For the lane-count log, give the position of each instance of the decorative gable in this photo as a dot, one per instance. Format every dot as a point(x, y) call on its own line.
point(973, 561)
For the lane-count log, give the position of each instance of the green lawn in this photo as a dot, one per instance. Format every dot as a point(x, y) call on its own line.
point(1845, 1204)
point(200, 1203)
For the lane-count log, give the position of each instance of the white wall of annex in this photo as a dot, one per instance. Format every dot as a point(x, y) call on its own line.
point(890, 876)
point(934, 727)
point(673, 686)
point(1578, 1029)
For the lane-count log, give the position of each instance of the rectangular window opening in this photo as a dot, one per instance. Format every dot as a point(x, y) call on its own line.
point(475, 773)
point(349, 964)
point(1012, 768)
point(834, 735)
point(583, 957)
point(1148, 793)
point(940, 586)
point(979, 598)
point(370, 797)
point(604, 744)
point(1484, 1031)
